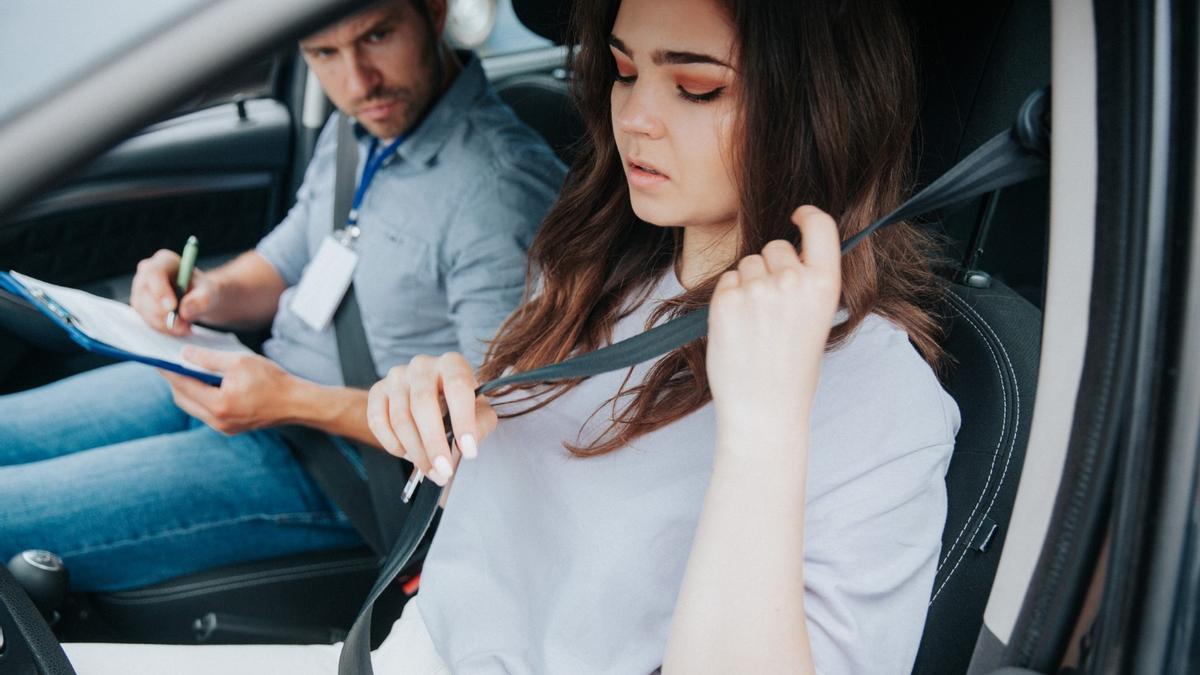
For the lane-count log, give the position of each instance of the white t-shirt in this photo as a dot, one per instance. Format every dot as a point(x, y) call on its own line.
point(549, 563)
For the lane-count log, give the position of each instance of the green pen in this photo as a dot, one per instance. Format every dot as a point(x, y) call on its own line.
point(187, 264)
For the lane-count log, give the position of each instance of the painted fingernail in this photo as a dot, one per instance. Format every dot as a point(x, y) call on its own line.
point(469, 448)
point(443, 469)
point(168, 303)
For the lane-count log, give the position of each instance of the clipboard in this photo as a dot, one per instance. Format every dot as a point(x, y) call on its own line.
point(133, 341)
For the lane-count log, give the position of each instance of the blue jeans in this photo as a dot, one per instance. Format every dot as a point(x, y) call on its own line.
point(104, 470)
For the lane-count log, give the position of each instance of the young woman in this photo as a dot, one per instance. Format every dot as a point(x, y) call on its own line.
point(770, 499)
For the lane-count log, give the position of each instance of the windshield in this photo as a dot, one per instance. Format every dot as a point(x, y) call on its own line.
point(46, 45)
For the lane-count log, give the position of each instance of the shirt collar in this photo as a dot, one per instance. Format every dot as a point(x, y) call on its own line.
point(432, 132)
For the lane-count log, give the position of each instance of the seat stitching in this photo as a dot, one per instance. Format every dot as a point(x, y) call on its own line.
point(1011, 445)
point(999, 441)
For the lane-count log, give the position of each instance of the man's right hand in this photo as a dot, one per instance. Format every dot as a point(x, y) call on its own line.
point(153, 294)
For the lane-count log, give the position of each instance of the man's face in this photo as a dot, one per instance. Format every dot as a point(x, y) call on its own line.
point(381, 66)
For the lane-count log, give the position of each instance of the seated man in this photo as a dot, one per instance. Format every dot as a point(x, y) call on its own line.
point(135, 477)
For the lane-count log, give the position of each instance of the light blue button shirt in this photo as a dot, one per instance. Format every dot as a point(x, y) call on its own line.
point(445, 226)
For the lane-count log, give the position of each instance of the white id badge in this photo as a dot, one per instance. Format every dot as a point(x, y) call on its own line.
point(323, 284)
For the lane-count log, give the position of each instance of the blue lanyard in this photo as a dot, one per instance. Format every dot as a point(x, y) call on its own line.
point(374, 161)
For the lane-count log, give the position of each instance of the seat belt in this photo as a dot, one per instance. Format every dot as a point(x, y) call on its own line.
point(1013, 156)
point(377, 511)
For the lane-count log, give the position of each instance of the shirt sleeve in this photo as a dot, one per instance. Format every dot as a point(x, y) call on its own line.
point(490, 238)
point(875, 511)
point(870, 563)
point(286, 246)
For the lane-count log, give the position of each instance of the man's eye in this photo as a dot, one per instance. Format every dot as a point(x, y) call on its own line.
point(379, 35)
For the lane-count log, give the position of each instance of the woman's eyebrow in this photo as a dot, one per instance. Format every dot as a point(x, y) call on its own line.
point(615, 43)
point(668, 57)
point(674, 58)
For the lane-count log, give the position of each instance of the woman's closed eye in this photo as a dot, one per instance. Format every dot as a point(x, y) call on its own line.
point(688, 92)
point(699, 97)
point(698, 87)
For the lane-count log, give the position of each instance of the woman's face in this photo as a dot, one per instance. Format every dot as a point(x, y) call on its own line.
point(673, 111)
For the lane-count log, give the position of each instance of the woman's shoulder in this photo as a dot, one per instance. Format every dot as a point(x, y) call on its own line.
point(876, 387)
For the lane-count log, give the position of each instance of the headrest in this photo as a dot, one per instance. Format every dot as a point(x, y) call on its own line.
point(547, 18)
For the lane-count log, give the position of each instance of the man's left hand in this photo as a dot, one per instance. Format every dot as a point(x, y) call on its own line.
point(252, 394)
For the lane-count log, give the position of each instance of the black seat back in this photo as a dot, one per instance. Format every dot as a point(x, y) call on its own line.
point(978, 62)
point(993, 338)
point(542, 101)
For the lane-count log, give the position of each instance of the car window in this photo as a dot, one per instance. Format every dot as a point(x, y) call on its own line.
point(45, 45)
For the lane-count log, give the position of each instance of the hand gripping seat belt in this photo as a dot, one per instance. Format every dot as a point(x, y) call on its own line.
point(1018, 154)
point(377, 511)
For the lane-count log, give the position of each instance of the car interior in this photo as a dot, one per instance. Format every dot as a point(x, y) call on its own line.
point(227, 173)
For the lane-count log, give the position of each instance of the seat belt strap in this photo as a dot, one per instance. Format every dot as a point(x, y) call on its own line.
point(375, 509)
point(385, 474)
point(338, 479)
point(1016, 155)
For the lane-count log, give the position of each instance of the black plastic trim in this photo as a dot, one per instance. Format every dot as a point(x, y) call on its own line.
point(180, 591)
point(1145, 610)
point(213, 139)
point(1080, 518)
point(106, 193)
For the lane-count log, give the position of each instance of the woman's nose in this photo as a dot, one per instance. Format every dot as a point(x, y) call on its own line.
point(639, 114)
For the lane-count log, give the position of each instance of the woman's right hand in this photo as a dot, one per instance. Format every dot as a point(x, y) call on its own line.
point(405, 411)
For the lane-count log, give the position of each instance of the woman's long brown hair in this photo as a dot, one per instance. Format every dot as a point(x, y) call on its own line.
point(829, 95)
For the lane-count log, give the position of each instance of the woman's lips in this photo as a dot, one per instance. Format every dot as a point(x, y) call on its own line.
point(645, 177)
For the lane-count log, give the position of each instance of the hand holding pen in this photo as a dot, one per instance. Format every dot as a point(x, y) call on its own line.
point(169, 292)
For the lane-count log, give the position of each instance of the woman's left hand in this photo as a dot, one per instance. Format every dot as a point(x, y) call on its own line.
point(767, 328)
